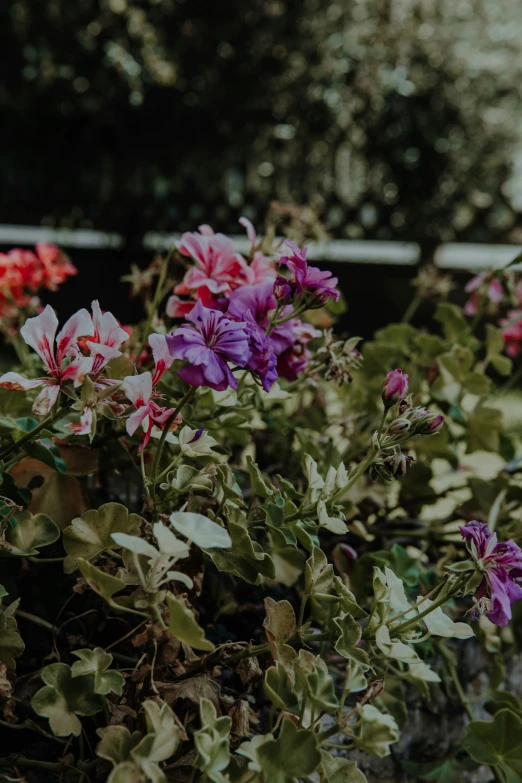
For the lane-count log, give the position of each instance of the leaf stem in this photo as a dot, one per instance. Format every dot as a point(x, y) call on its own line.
point(29, 436)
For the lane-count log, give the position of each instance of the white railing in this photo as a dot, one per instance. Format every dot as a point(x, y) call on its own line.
point(458, 256)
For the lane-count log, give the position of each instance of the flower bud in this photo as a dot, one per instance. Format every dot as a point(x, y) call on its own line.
point(398, 463)
point(429, 424)
point(394, 387)
point(399, 425)
point(378, 471)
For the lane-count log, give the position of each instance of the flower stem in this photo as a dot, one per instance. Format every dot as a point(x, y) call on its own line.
point(29, 436)
point(452, 670)
point(158, 296)
point(187, 397)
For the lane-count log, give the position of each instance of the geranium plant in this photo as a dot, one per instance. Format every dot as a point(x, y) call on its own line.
point(237, 548)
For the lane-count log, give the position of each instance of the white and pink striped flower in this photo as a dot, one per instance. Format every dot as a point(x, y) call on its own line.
point(138, 389)
point(63, 361)
point(107, 338)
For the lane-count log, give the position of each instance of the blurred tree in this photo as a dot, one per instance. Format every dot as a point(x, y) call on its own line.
point(391, 118)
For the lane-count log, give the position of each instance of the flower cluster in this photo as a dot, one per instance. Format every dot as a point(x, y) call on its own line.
point(23, 273)
point(217, 269)
point(500, 564)
point(491, 292)
point(243, 315)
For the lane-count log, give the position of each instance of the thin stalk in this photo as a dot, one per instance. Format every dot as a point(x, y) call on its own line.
point(411, 309)
point(414, 620)
point(421, 601)
point(158, 295)
point(166, 429)
point(452, 669)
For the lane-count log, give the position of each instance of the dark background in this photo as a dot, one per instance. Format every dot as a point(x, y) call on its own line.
point(387, 120)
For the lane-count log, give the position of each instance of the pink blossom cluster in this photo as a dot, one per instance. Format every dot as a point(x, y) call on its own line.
point(23, 273)
point(243, 314)
point(490, 290)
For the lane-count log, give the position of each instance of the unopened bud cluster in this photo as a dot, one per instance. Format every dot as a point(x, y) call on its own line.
point(340, 357)
point(390, 464)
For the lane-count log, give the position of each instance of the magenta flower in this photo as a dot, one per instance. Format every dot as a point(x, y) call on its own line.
point(501, 564)
point(394, 387)
point(63, 362)
point(293, 359)
point(261, 267)
point(512, 332)
point(258, 299)
point(305, 280)
point(207, 347)
point(218, 266)
point(492, 287)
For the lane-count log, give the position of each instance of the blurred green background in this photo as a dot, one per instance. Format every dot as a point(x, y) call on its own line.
point(389, 119)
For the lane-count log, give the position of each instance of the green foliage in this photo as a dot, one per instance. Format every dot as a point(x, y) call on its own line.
point(497, 743)
point(90, 536)
point(64, 697)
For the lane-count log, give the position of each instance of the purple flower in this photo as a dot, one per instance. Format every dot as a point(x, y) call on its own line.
point(501, 564)
point(259, 299)
point(294, 357)
point(305, 280)
point(252, 304)
point(394, 387)
point(214, 340)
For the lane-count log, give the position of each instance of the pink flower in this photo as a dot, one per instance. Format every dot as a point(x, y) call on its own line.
point(64, 363)
point(162, 359)
point(501, 564)
point(305, 280)
point(107, 339)
point(261, 267)
point(491, 287)
point(512, 332)
point(394, 387)
point(138, 389)
point(218, 267)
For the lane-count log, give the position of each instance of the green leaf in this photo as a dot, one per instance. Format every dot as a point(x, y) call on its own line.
point(445, 771)
point(245, 557)
point(349, 637)
point(259, 485)
point(201, 530)
point(504, 700)
point(316, 684)
point(318, 575)
point(212, 743)
point(497, 743)
point(454, 324)
point(183, 625)
point(116, 743)
point(375, 731)
point(294, 754)
point(279, 689)
point(89, 536)
point(29, 534)
point(11, 644)
point(162, 724)
point(484, 427)
point(340, 770)
point(280, 626)
point(63, 698)
point(49, 456)
point(102, 583)
point(97, 662)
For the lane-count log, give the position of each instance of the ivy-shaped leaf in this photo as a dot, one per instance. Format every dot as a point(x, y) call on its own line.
point(339, 770)
point(294, 754)
point(104, 584)
point(497, 743)
point(212, 743)
point(259, 485)
point(90, 535)
point(280, 626)
point(484, 428)
point(183, 625)
point(201, 530)
point(11, 643)
point(64, 697)
point(244, 557)
point(97, 662)
point(29, 534)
